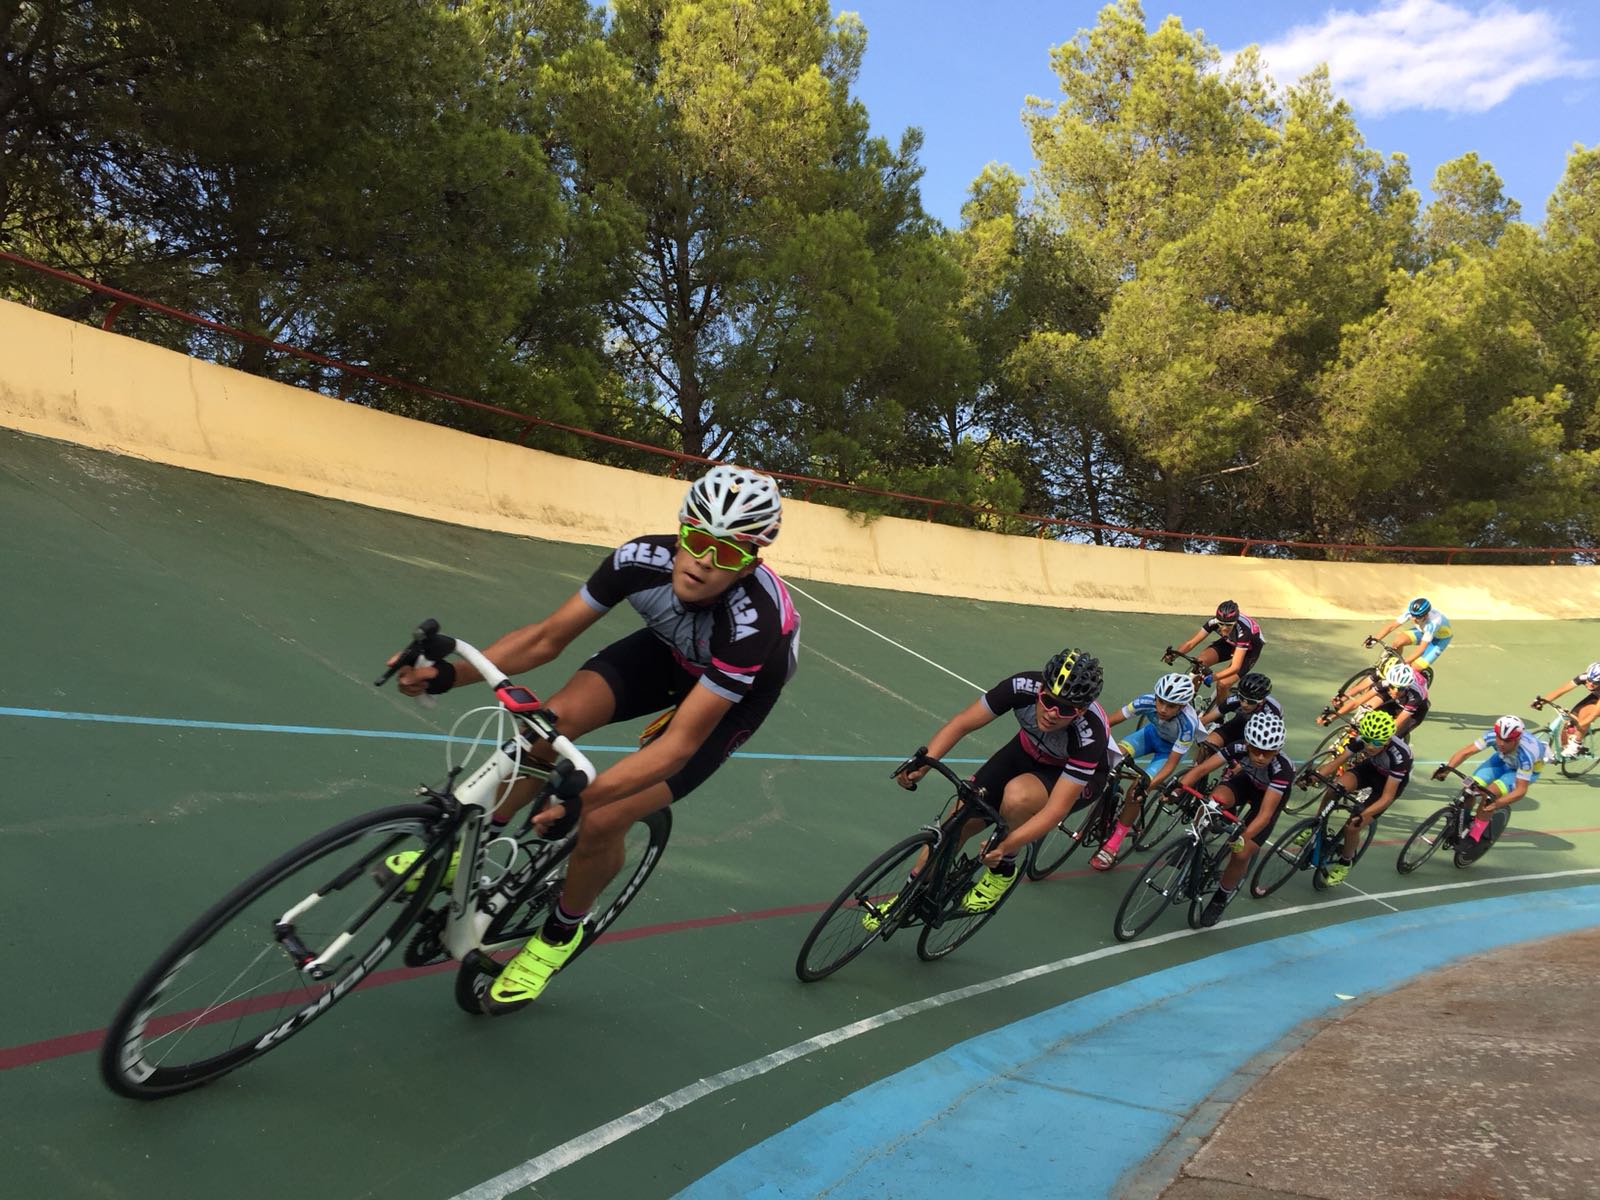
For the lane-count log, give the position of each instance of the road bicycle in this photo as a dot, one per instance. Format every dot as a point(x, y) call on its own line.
point(1369, 677)
point(1571, 759)
point(1450, 825)
point(1337, 740)
point(1189, 867)
point(1092, 823)
point(305, 931)
point(1315, 843)
point(882, 900)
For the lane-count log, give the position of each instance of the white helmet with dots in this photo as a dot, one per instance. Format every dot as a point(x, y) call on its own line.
point(1264, 731)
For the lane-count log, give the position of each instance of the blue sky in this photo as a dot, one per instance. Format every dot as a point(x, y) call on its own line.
point(1518, 81)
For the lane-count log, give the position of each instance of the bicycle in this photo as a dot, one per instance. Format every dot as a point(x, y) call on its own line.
point(881, 900)
point(1373, 676)
point(1315, 843)
point(279, 950)
point(1338, 739)
point(1449, 826)
point(1189, 867)
point(1089, 825)
point(1562, 729)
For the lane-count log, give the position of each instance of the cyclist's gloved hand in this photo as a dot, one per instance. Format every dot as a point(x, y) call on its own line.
point(1168, 657)
point(1441, 771)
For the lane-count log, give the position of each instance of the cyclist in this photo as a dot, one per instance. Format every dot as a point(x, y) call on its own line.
point(721, 639)
point(1377, 760)
point(1226, 718)
point(1169, 733)
point(1515, 760)
point(1062, 753)
point(1427, 629)
point(1257, 775)
point(1590, 705)
point(1403, 694)
point(1239, 641)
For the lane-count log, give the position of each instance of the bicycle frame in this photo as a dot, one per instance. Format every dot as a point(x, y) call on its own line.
point(467, 805)
point(970, 803)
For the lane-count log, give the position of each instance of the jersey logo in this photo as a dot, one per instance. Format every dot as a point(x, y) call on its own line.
point(645, 555)
point(744, 618)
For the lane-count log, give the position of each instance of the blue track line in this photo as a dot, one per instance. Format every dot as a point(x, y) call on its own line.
point(52, 714)
point(1121, 1069)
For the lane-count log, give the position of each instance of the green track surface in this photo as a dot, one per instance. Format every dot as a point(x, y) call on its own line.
point(141, 590)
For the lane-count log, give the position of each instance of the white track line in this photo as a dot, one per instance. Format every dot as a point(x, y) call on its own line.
point(585, 1144)
point(793, 588)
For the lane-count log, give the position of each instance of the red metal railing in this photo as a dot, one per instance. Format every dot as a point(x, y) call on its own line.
point(805, 485)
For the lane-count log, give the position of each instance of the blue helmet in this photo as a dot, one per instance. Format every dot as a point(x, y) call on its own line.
point(1419, 607)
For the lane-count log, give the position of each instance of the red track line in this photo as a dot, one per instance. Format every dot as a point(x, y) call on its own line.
point(28, 1053)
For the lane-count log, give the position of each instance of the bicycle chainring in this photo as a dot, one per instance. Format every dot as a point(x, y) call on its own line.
point(426, 947)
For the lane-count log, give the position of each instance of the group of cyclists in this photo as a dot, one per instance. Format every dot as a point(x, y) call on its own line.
point(721, 639)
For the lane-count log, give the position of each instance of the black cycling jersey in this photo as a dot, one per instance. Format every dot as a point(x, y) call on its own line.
point(1080, 749)
point(1394, 761)
point(1229, 709)
point(1277, 775)
point(1246, 633)
point(746, 641)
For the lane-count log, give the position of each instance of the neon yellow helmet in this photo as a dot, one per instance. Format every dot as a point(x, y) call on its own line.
point(1375, 727)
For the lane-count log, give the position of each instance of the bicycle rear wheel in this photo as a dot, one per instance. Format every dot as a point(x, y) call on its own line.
point(1333, 840)
point(643, 846)
point(954, 924)
point(869, 909)
point(1577, 768)
point(1158, 885)
point(235, 984)
point(1425, 839)
point(1469, 851)
point(1085, 826)
point(1283, 858)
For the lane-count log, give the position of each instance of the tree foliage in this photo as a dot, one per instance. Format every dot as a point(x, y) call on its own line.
point(1209, 306)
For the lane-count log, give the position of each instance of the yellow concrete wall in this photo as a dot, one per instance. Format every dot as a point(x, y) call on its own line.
point(64, 380)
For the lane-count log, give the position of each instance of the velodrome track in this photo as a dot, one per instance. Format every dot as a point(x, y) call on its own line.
point(189, 692)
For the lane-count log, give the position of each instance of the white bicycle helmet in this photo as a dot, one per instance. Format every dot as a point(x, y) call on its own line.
point(1508, 728)
point(1264, 731)
point(1400, 675)
point(732, 502)
point(1175, 688)
point(1593, 673)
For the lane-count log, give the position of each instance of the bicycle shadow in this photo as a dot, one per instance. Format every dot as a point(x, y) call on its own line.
point(1463, 720)
point(1533, 839)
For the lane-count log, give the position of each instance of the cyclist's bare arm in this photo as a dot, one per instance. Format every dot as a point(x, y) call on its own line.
point(1227, 674)
point(518, 651)
point(1201, 769)
point(1167, 768)
point(1551, 697)
point(1199, 636)
point(973, 717)
point(1386, 631)
point(1269, 805)
point(697, 715)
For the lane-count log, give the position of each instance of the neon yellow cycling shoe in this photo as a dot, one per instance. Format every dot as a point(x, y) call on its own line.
point(872, 917)
point(986, 893)
point(522, 979)
point(1335, 872)
point(1301, 838)
point(399, 864)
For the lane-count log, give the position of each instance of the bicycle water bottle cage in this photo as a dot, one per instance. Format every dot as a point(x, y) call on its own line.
point(517, 698)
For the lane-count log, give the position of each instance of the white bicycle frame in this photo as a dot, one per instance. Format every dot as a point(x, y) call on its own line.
point(480, 794)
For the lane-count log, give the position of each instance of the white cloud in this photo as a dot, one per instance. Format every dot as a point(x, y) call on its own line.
point(1428, 54)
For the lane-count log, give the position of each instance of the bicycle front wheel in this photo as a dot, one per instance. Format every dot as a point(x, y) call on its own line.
point(1425, 839)
point(1283, 858)
point(1205, 877)
point(1158, 885)
point(643, 845)
point(1577, 768)
point(870, 908)
point(1160, 815)
point(236, 984)
point(1333, 838)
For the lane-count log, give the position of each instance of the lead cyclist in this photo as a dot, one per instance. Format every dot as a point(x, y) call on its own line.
point(721, 639)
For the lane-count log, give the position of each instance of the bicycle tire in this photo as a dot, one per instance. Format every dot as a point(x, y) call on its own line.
point(1426, 838)
point(644, 843)
point(218, 1032)
point(1317, 761)
point(1205, 876)
point(954, 926)
point(1158, 886)
point(1469, 851)
point(1282, 860)
point(824, 952)
point(1368, 831)
point(1157, 819)
point(1577, 768)
point(1077, 828)
point(1368, 673)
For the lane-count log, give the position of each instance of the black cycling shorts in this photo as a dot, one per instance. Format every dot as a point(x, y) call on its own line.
point(1225, 656)
point(1368, 776)
point(1006, 764)
point(1588, 701)
point(645, 677)
point(1248, 796)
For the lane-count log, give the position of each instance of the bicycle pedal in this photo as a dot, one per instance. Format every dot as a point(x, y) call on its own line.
point(480, 962)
